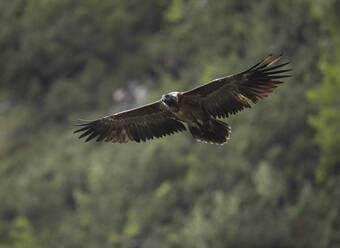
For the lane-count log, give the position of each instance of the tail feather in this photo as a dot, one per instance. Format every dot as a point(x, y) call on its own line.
point(216, 132)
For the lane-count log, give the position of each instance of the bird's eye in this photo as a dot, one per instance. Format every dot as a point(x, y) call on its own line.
point(166, 97)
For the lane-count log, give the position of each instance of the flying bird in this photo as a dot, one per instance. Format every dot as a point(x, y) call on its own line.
point(196, 109)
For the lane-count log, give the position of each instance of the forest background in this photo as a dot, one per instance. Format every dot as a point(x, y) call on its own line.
point(275, 184)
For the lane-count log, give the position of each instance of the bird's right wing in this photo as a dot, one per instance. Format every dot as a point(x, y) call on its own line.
point(233, 93)
point(139, 124)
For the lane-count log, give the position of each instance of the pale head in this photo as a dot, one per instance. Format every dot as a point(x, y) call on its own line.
point(171, 99)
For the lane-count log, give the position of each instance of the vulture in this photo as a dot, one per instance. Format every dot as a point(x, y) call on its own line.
point(197, 110)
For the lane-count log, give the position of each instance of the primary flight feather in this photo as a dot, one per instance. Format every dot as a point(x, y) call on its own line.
point(197, 108)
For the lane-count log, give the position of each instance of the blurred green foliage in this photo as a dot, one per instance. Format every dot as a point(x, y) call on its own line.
point(325, 97)
point(277, 182)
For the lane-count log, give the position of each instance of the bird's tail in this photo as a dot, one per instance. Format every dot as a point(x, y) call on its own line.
point(216, 132)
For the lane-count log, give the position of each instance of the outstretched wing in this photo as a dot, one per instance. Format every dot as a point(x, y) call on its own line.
point(139, 124)
point(231, 94)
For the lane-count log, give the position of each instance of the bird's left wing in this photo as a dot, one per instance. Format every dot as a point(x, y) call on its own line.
point(139, 124)
point(231, 94)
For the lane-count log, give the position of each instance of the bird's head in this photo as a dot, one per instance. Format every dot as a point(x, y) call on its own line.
point(171, 99)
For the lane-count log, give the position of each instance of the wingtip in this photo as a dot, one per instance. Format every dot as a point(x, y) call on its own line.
point(84, 122)
point(273, 61)
point(266, 59)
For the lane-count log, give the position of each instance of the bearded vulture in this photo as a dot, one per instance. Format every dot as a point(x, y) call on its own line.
point(196, 109)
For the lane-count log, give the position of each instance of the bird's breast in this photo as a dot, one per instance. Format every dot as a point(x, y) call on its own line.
point(190, 113)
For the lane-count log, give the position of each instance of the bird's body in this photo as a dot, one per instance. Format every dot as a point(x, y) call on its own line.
point(197, 108)
point(189, 110)
point(186, 109)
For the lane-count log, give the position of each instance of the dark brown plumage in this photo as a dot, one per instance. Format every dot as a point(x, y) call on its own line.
point(196, 108)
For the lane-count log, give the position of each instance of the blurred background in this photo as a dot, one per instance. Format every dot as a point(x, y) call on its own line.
point(275, 184)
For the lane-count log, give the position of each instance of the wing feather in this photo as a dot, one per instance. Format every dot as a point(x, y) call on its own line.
point(229, 95)
point(139, 124)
